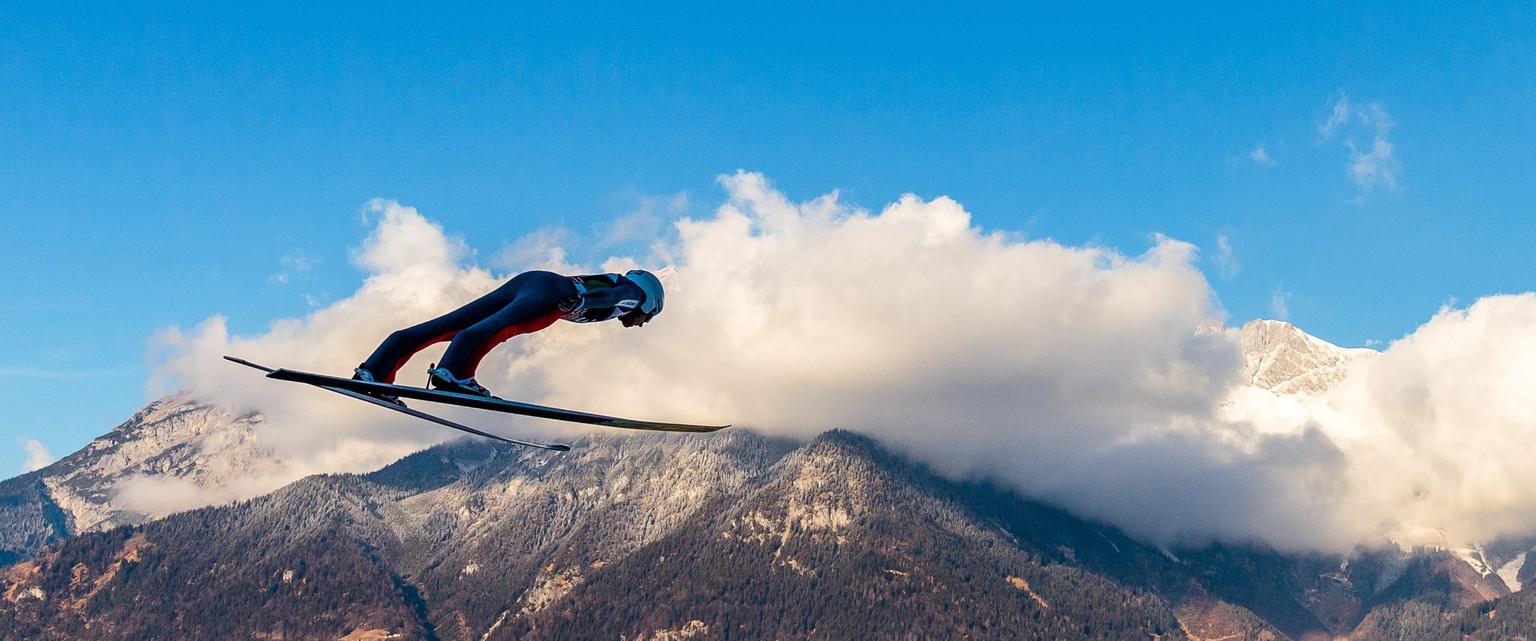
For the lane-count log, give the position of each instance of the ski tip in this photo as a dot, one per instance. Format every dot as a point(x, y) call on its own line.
point(247, 363)
point(558, 447)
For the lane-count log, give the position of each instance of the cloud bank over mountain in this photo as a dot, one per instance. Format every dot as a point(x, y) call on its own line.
point(1098, 380)
point(38, 456)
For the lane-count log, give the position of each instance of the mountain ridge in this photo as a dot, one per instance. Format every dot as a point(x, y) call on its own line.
point(760, 537)
point(178, 437)
point(1281, 358)
point(813, 528)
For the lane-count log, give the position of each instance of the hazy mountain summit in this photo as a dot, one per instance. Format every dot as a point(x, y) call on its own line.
point(1281, 358)
point(161, 460)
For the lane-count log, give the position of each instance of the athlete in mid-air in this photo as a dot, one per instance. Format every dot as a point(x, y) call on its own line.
point(531, 301)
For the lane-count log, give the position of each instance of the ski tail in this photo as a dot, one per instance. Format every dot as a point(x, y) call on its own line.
point(556, 447)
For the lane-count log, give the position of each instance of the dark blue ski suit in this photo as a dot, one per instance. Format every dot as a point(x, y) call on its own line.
point(531, 301)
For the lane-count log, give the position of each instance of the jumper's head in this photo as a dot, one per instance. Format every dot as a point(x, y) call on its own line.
point(654, 295)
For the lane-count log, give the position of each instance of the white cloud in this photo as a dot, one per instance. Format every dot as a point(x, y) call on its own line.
point(161, 495)
point(984, 353)
point(1372, 163)
point(1226, 261)
point(293, 265)
point(1455, 395)
point(1261, 156)
point(639, 229)
point(38, 456)
point(543, 249)
point(1376, 168)
point(1280, 303)
point(1336, 118)
point(1437, 432)
point(1077, 374)
point(646, 223)
point(413, 272)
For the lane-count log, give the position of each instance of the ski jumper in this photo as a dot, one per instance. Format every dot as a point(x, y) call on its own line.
point(531, 301)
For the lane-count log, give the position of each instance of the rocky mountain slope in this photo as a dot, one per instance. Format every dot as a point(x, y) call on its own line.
point(732, 535)
point(728, 536)
point(177, 437)
point(1281, 358)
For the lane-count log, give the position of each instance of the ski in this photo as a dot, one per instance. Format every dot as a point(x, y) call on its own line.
point(485, 403)
point(409, 411)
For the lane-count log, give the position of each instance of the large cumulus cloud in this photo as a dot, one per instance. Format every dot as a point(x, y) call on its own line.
point(1099, 380)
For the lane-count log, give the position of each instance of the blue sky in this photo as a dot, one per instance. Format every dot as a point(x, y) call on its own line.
point(162, 165)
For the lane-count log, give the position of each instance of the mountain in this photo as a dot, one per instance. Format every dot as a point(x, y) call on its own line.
point(177, 439)
point(1507, 558)
point(1281, 358)
point(732, 535)
point(668, 537)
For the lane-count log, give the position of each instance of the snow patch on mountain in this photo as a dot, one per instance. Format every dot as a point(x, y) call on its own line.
point(1474, 557)
point(1510, 572)
point(1281, 358)
point(177, 453)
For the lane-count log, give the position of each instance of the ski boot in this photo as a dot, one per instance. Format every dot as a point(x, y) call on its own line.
point(360, 374)
point(439, 378)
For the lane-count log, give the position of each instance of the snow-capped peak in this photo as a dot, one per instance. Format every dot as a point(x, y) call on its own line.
point(1279, 357)
point(146, 467)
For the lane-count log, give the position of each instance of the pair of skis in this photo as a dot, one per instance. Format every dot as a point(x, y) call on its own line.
point(370, 392)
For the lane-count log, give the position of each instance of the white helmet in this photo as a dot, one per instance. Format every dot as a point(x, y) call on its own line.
point(651, 285)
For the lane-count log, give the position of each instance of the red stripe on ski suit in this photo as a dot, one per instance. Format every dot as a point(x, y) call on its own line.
point(394, 368)
point(516, 329)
